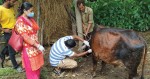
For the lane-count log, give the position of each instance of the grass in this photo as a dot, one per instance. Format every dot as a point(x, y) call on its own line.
point(6, 71)
point(10, 73)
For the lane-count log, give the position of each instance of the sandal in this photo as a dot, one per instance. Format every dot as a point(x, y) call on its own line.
point(19, 69)
point(58, 72)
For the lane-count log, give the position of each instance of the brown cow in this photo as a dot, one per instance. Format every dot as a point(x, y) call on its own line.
point(118, 46)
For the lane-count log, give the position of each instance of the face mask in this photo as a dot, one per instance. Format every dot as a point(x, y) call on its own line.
point(30, 15)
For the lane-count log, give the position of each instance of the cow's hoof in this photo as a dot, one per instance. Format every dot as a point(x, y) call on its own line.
point(94, 74)
point(136, 76)
point(91, 77)
point(102, 73)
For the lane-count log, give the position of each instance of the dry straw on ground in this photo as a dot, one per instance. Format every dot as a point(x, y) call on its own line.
point(53, 19)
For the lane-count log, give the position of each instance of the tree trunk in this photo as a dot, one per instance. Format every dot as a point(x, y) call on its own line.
point(79, 22)
point(40, 33)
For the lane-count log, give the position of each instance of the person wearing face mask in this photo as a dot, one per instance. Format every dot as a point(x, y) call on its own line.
point(7, 21)
point(32, 53)
point(61, 53)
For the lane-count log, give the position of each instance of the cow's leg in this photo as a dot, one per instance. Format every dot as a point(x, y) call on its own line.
point(94, 66)
point(132, 72)
point(134, 62)
point(103, 66)
point(132, 69)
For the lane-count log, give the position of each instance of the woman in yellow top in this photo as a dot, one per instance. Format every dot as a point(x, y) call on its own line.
point(32, 53)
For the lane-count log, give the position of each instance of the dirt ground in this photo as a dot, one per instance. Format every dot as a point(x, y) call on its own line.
point(83, 71)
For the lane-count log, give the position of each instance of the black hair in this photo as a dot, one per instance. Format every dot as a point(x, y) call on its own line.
point(70, 43)
point(80, 2)
point(24, 6)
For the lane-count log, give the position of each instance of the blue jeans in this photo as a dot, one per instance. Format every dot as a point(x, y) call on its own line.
point(11, 51)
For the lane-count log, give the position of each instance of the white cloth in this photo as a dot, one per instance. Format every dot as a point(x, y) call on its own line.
point(86, 43)
point(89, 51)
point(41, 48)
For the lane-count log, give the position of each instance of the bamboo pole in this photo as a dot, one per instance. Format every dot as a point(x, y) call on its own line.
point(40, 33)
point(79, 22)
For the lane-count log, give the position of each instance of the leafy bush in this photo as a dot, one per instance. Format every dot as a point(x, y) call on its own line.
point(1, 1)
point(127, 14)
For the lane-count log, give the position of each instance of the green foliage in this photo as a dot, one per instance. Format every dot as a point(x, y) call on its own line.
point(1, 2)
point(127, 14)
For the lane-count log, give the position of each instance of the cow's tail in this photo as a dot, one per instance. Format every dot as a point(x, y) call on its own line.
point(144, 59)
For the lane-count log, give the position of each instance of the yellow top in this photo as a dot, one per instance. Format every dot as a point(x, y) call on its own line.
point(7, 17)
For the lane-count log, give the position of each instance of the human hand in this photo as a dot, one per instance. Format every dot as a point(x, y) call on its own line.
point(84, 29)
point(86, 33)
point(41, 48)
point(7, 30)
point(86, 43)
point(89, 51)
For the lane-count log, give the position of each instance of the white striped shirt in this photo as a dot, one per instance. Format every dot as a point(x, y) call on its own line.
point(59, 51)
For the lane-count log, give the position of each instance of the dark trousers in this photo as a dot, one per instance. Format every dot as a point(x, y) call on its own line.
point(11, 51)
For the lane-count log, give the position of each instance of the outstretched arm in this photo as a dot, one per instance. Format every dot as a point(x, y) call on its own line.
point(81, 54)
point(78, 38)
